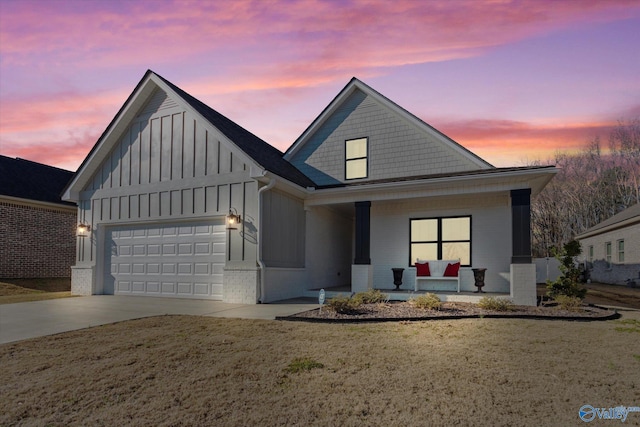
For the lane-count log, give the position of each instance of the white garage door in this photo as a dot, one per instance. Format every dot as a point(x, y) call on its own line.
point(173, 260)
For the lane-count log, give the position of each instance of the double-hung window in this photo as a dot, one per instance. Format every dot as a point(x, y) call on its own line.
point(356, 162)
point(591, 253)
point(607, 253)
point(441, 238)
point(621, 251)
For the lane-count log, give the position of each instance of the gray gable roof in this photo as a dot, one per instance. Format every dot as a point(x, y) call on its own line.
point(29, 180)
point(263, 153)
point(627, 214)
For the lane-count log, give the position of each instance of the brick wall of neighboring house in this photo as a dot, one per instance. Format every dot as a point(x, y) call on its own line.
point(36, 241)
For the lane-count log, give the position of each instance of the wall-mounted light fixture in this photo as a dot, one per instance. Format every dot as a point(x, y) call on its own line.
point(233, 219)
point(83, 230)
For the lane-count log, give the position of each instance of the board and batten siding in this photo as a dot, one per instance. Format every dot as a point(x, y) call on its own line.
point(283, 222)
point(169, 166)
point(396, 147)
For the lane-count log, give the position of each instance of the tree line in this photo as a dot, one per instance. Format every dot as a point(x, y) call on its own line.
point(591, 186)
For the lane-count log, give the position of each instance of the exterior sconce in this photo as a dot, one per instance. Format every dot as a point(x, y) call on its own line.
point(83, 230)
point(233, 219)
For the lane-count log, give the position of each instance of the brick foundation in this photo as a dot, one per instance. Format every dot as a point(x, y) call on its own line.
point(523, 284)
point(241, 285)
point(82, 281)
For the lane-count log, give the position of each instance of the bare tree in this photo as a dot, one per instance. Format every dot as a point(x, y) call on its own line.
point(590, 187)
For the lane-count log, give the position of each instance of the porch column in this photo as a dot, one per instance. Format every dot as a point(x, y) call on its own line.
point(362, 270)
point(521, 226)
point(363, 233)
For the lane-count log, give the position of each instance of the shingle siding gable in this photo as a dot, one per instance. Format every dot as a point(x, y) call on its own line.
point(397, 147)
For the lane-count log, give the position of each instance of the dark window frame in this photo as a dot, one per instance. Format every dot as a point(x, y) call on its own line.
point(440, 242)
point(347, 160)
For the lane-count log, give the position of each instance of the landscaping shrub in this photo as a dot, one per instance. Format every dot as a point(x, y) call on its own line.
point(569, 303)
point(372, 296)
point(568, 283)
point(495, 304)
point(427, 301)
point(344, 305)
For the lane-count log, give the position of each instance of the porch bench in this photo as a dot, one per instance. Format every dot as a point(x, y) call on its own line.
point(432, 272)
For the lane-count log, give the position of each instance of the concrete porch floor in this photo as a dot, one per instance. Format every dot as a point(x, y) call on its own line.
point(407, 294)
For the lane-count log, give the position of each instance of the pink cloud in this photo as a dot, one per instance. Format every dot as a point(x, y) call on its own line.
point(316, 37)
point(500, 141)
point(232, 50)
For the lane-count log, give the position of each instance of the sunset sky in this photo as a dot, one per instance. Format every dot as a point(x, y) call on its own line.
point(513, 81)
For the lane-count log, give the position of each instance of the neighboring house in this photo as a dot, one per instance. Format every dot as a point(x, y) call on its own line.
point(611, 249)
point(37, 228)
point(367, 187)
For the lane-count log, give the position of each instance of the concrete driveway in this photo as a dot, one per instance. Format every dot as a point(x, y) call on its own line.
point(39, 318)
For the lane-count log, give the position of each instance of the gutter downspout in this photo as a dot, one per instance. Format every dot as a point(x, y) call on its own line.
point(269, 186)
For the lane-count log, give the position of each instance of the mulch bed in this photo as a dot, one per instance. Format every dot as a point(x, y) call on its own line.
point(403, 311)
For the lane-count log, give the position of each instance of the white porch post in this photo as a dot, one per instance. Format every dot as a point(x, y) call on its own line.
point(523, 284)
point(361, 277)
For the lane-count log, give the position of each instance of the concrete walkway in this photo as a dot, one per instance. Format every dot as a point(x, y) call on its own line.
point(25, 320)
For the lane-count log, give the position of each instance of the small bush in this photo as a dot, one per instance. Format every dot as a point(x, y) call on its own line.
point(300, 364)
point(344, 305)
point(567, 284)
point(427, 301)
point(372, 296)
point(569, 303)
point(495, 304)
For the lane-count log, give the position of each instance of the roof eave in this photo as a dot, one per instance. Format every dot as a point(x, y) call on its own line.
point(611, 227)
point(535, 179)
point(354, 84)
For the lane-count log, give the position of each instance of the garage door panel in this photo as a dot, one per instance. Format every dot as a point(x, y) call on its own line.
point(139, 250)
point(185, 288)
point(201, 268)
point(185, 249)
point(169, 231)
point(185, 268)
point(124, 286)
point(202, 230)
point(167, 260)
point(202, 248)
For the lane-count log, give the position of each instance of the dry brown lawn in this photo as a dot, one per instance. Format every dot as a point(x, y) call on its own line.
point(24, 290)
point(180, 370)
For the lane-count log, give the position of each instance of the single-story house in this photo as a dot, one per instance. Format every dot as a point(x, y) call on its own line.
point(367, 187)
point(611, 249)
point(37, 228)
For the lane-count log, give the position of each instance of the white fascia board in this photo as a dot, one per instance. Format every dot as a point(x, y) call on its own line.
point(429, 187)
point(111, 136)
point(356, 84)
point(618, 225)
point(423, 126)
point(319, 121)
